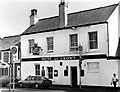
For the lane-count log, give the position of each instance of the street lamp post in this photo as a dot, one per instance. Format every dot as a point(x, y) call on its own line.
point(80, 62)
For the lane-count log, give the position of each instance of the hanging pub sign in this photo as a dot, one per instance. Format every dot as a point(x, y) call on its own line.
point(36, 49)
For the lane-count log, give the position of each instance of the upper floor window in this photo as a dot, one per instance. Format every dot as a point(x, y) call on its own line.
point(49, 44)
point(93, 41)
point(73, 42)
point(31, 44)
point(6, 57)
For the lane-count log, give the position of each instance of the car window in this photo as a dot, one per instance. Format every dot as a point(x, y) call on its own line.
point(44, 78)
point(28, 78)
point(32, 78)
point(37, 78)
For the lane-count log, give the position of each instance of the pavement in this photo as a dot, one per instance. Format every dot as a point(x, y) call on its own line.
point(65, 89)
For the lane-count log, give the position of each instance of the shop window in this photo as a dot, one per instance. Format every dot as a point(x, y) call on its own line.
point(50, 72)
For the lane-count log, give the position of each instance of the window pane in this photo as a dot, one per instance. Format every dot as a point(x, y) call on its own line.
point(31, 44)
point(50, 44)
point(50, 72)
point(37, 69)
point(93, 66)
point(73, 42)
point(93, 42)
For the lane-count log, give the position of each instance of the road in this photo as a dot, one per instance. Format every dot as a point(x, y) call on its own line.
point(30, 90)
point(59, 89)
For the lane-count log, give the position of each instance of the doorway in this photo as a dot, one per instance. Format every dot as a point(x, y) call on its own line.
point(74, 76)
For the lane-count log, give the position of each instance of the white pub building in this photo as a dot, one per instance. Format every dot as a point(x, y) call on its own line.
point(50, 47)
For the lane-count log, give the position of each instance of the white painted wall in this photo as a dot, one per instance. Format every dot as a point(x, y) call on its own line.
point(105, 74)
point(113, 32)
point(61, 41)
point(28, 68)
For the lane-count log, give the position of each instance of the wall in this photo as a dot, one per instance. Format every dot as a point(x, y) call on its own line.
point(113, 32)
point(61, 79)
point(61, 41)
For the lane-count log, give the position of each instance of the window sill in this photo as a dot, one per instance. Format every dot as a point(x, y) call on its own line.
point(49, 51)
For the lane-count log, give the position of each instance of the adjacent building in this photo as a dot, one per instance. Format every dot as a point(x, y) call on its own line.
point(6, 55)
point(50, 47)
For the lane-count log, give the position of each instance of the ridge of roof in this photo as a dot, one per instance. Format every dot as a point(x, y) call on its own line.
point(77, 12)
point(92, 9)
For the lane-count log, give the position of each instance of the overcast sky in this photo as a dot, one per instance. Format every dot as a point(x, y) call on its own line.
point(14, 14)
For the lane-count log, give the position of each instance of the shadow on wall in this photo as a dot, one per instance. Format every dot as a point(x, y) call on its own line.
point(118, 49)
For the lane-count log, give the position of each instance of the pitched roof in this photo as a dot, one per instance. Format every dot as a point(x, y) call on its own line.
point(81, 18)
point(10, 41)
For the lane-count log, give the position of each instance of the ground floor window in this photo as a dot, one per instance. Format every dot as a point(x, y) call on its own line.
point(37, 69)
point(50, 72)
point(4, 71)
point(93, 66)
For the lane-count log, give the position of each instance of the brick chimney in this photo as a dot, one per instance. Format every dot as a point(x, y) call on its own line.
point(62, 14)
point(33, 16)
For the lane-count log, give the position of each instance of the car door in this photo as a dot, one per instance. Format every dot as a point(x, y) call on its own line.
point(32, 81)
point(27, 81)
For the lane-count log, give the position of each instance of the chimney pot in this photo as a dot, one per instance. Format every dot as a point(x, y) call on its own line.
point(32, 16)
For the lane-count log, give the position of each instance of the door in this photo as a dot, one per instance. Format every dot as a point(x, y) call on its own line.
point(74, 76)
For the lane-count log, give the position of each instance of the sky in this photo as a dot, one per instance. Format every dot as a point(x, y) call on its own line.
point(14, 14)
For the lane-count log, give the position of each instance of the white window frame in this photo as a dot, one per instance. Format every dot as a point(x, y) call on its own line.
point(31, 45)
point(93, 40)
point(50, 44)
point(73, 47)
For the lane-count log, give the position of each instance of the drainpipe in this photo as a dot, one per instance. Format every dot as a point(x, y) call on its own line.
point(107, 40)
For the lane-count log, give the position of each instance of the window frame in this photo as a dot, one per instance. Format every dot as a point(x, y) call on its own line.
point(92, 41)
point(31, 45)
point(50, 72)
point(74, 43)
point(50, 44)
point(37, 69)
point(94, 68)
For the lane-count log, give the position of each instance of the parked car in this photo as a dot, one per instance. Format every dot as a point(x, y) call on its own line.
point(5, 81)
point(35, 81)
